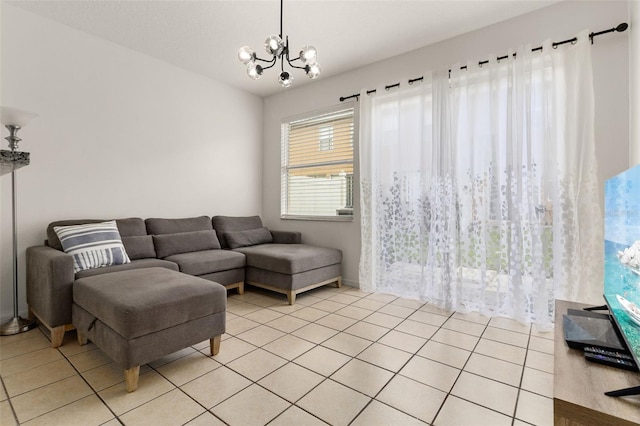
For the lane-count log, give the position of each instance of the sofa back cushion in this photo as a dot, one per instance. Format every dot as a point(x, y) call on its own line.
point(224, 224)
point(128, 227)
point(159, 226)
point(250, 237)
point(185, 242)
point(139, 247)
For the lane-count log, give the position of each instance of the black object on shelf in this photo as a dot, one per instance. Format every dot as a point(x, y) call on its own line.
point(635, 390)
point(586, 328)
point(596, 308)
point(600, 351)
point(611, 361)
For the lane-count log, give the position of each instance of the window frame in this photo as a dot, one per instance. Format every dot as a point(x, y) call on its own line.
point(284, 190)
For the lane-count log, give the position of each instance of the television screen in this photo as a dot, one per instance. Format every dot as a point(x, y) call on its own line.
point(622, 255)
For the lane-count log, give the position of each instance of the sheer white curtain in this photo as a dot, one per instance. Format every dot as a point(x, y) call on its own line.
point(479, 189)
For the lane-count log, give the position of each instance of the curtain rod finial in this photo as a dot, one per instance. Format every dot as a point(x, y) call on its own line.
point(622, 27)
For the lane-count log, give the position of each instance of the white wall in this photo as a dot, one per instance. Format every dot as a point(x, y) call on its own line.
point(557, 22)
point(119, 134)
point(634, 83)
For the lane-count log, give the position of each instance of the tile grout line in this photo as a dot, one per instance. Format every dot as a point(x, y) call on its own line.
point(328, 377)
point(66, 358)
point(451, 315)
point(179, 388)
point(461, 370)
point(397, 373)
point(336, 332)
point(95, 392)
point(524, 363)
point(13, 411)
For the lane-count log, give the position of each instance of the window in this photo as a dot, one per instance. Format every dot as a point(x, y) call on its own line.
point(317, 165)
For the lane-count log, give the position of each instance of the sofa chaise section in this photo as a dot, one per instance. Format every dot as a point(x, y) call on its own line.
point(277, 260)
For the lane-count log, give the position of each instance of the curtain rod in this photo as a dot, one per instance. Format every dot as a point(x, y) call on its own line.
point(620, 28)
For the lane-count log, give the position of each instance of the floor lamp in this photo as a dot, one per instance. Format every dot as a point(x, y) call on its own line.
point(11, 160)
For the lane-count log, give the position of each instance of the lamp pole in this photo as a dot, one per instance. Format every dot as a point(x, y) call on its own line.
point(16, 159)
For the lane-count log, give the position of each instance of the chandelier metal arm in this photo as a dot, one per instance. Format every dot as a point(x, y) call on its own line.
point(273, 62)
point(294, 66)
point(285, 53)
point(275, 58)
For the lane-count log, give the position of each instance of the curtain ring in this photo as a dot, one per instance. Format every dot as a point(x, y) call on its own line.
point(555, 46)
point(574, 41)
point(479, 64)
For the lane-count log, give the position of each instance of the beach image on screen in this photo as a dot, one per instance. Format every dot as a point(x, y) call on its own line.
point(622, 254)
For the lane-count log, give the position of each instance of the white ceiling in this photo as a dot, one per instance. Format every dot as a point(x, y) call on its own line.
point(204, 36)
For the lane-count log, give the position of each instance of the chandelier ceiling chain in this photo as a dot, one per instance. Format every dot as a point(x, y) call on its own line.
point(279, 49)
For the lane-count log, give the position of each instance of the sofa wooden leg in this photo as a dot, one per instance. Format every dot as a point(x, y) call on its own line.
point(339, 282)
point(241, 288)
point(292, 297)
point(82, 339)
point(131, 378)
point(214, 345)
point(57, 336)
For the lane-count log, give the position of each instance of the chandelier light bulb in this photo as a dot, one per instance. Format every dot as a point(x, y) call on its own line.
point(274, 45)
point(313, 70)
point(285, 79)
point(246, 55)
point(254, 71)
point(308, 54)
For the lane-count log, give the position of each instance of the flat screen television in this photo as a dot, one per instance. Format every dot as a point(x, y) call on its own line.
point(622, 255)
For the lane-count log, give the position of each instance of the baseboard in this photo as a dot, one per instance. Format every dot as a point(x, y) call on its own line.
point(350, 283)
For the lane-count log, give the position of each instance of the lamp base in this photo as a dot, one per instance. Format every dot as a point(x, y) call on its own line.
point(16, 325)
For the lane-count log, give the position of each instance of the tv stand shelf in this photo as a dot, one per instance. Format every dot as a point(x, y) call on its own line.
point(579, 385)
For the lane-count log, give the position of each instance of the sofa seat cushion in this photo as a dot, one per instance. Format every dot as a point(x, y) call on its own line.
point(139, 302)
point(290, 258)
point(135, 264)
point(208, 261)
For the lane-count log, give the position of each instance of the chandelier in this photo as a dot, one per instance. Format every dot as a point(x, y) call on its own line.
point(279, 49)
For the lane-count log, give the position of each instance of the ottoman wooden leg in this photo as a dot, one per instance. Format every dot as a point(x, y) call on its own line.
point(131, 377)
point(214, 345)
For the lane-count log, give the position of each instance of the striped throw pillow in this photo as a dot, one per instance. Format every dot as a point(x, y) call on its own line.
point(93, 245)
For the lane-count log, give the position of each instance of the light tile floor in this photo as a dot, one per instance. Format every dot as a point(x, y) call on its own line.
point(338, 356)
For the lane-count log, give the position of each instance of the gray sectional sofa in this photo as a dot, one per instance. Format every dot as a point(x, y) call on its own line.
point(228, 250)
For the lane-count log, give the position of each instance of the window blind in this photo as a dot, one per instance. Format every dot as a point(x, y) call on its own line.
point(317, 165)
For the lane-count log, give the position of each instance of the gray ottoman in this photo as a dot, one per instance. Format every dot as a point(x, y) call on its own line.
point(138, 316)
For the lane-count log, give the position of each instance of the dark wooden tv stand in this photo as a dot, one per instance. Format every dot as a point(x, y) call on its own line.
point(579, 385)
